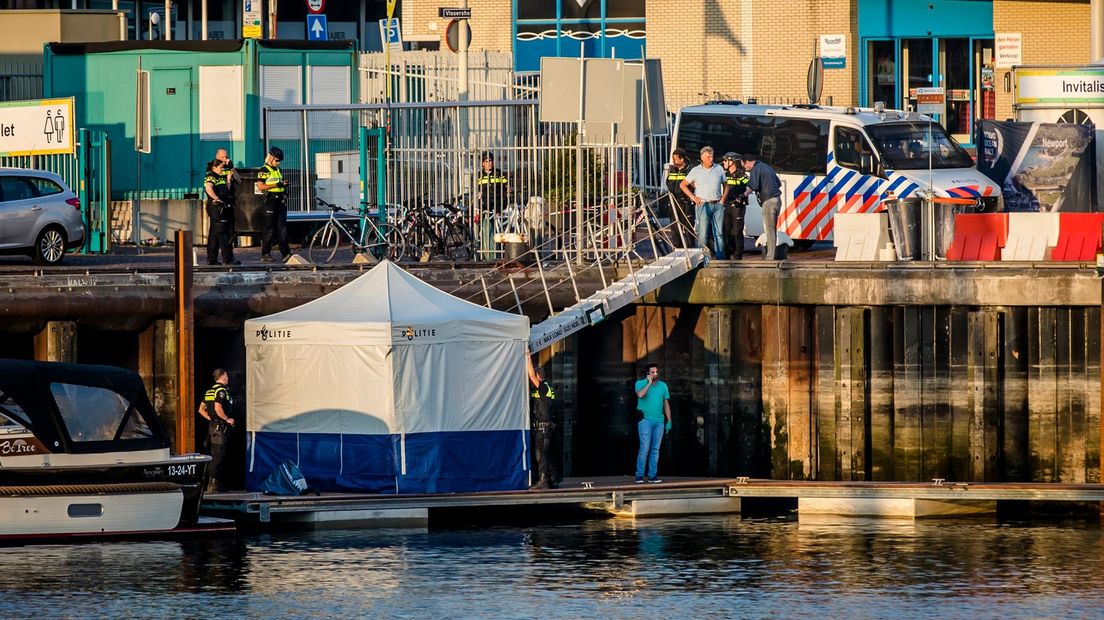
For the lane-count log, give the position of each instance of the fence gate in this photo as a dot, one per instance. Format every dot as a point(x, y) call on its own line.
point(95, 189)
point(88, 172)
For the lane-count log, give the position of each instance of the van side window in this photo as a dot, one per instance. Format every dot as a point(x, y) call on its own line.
point(799, 146)
point(850, 147)
point(723, 132)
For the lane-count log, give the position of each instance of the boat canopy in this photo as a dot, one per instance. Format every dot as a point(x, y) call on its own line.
point(79, 408)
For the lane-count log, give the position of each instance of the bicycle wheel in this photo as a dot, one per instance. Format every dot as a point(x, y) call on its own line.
point(324, 244)
point(376, 241)
point(396, 246)
point(457, 243)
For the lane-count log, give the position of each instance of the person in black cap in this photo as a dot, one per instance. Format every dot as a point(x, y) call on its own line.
point(272, 183)
point(492, 184)
point(764, 182)
point(734, 200)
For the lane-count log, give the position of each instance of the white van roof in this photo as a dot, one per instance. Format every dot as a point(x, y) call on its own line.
point(855, 115)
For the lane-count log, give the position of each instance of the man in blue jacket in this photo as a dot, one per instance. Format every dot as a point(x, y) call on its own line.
point(652, 401)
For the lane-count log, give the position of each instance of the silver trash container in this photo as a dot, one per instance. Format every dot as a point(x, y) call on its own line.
point(944, 224)
point(904, 227)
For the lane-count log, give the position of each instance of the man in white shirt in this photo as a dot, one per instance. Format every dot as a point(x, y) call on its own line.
point(705, 186)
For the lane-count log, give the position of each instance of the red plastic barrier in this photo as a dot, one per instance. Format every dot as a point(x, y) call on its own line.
point(1078, 236)
point(978, 236)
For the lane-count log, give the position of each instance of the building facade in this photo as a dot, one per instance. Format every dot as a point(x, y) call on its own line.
point(739, 49)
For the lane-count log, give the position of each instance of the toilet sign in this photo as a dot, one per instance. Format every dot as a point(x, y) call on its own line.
point(39, 127)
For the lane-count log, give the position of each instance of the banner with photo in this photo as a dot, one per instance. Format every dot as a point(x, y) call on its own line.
point(1040, 166)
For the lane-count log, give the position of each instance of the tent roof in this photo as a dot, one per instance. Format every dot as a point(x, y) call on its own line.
point(388, 295)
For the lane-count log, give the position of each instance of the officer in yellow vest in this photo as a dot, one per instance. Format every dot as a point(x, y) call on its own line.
point(542, 427)
point(220, 214)
point(274, 186)
point(682, 210)
point(492, 186)
point(217, 409)
point(734, 200)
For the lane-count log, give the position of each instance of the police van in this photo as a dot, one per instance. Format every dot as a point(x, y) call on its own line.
point(835, 160)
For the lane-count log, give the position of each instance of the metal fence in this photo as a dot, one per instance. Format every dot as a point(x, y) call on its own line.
point(419, 76)
point(432, 155)
point(20, 80)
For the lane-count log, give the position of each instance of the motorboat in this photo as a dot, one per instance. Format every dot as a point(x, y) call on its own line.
point(82, 452)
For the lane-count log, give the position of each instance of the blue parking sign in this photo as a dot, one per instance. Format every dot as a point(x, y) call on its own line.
point(391, 34)
point(317, 29)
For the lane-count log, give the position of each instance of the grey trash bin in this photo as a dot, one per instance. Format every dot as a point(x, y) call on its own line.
point(904, 227)
point(944, 224)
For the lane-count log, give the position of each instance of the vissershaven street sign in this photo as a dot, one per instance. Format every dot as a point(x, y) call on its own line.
point(39, 127)
point(444, 13)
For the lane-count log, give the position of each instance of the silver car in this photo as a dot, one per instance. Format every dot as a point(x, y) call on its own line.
point(39, 215)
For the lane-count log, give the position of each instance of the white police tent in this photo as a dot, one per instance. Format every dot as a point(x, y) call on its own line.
point(389, 385)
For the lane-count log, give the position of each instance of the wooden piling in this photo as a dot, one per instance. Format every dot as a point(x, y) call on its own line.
point(881, 436)
point(983, 379)
point(185, 343)
point(851, 393)
point(1042, 391)
point(1014, 395)
point(907, 402)
point(718, 414)
point(57, 342)
point(956, 396)
point(827, 399)
point(751, 441)
point(787, 389)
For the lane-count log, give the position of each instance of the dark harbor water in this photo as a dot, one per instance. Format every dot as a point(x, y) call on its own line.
point(685, 568)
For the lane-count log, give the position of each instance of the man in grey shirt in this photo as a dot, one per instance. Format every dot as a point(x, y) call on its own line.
point(764, 182)
point(704, 186)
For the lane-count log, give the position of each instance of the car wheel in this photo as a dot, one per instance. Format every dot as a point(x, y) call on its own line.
point(803, 244)
point(49, 247)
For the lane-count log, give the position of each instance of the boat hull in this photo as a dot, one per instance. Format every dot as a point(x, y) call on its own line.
point(56, 510)
point(187, 472)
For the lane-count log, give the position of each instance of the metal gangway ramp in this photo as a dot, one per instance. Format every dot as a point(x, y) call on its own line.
point(624, 232)
point(617, 295)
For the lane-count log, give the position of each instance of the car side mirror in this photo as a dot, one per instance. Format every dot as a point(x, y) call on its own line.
point(868, 164)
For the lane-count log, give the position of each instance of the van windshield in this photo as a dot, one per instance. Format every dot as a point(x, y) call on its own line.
point(905, 146)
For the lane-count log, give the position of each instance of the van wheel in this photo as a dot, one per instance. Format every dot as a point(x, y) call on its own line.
point(49, 247)
point(803, 244)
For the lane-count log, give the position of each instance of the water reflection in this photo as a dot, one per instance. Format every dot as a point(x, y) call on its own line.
point(714, 567)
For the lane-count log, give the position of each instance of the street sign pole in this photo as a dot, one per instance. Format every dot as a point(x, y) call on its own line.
point(387, 52)
point(462, 33)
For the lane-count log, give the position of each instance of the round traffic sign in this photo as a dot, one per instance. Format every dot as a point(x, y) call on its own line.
point(452, 34)
point(815, 82)
point(316, 6)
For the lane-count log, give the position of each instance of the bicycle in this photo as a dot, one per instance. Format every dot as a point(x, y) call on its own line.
point(435, 232)
point(380, 240)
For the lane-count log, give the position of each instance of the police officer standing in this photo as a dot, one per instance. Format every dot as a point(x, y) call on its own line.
point(542, 427)
point(274, 186)
point(217, 409)
point(220, 214)
point(734, 200)
point(681, 208)
point(492, 184)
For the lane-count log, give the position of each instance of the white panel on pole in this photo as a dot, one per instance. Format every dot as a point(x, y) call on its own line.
point(329, 86)
point(282, 85)
point(220, 103)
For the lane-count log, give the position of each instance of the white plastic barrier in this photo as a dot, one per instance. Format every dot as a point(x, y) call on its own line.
point(1031, 236)
point(861, 236)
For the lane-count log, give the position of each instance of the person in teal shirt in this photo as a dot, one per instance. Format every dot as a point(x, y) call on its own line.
point(652, 401)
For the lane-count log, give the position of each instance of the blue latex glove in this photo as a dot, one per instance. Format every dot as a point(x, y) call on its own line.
point(667, 428)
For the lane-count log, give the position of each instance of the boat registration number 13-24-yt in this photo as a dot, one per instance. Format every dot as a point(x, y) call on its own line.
point(182, 470)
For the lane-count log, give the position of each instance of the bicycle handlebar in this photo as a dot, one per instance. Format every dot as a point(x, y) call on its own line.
point(328, 205)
